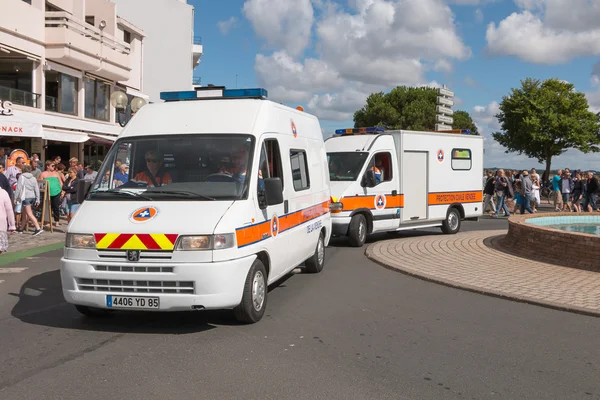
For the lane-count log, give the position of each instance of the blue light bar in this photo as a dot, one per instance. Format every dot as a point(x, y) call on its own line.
point(373, 129)
point(213, 92)
point(250, 93)
point(466, 131)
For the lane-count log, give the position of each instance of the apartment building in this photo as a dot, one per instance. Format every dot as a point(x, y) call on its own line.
point(170, 47)
point(60, 61)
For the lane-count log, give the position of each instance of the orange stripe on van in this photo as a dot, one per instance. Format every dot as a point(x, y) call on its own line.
point(248, 235)
point(368, 202)
point(435, 199)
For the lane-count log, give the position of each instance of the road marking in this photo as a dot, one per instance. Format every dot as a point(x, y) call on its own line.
point(11, 270)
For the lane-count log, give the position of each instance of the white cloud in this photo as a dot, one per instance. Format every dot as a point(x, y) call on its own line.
point(372, 46)
point(479, 15)
point(548, 31)
point(283, 24)
point(470, 2)
point(471, 82)
point(226, 26)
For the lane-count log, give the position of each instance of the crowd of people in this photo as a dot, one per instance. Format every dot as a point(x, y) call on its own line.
point(20, 193)
point(520, 191)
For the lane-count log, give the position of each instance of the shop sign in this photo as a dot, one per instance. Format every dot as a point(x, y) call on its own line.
point(12, 159)
point(6, 107)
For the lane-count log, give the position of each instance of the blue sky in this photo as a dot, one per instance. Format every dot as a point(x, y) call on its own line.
point(329, 55)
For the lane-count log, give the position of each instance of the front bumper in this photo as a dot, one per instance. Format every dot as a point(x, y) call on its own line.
point(216, 285)
point(340, 225)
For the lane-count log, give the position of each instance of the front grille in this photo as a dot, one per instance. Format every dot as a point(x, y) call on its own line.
point(131, 268)
point(129, 286)
point(145, 255)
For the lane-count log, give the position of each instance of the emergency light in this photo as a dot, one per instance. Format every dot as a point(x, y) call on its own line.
point(214, 92)
point(351, 131)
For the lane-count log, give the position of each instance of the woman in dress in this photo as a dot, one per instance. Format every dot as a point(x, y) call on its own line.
point(7, 220)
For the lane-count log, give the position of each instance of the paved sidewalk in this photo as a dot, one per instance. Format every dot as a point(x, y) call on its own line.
point(25, 241)
point(474, 261)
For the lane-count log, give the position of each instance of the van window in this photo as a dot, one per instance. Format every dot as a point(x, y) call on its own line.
point(461, 159)
point(299, 164)
point(269, 165)
point(177, 167)
point(345, 166)
point(381, 164)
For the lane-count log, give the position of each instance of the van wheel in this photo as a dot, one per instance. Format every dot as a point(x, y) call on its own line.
point(92, 312)
point(357, 232)
point(315, 263)
point(254, 299)
point(451, 224)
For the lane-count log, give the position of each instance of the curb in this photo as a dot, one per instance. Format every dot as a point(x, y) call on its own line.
point(478, 290)
point(8, 258)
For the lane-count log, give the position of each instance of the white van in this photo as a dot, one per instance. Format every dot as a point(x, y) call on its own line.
point(226, 193)
point(383, 181)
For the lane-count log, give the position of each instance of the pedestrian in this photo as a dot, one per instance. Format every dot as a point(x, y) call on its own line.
point(592, 187)
point(566, 187)
point(28, 195)
point(556, 190)
point(11, 172)
point(537, 185)
point(55, 189)
point(502, 189)
point(526, 193)
point(7, 220)
point(488, 192)
point(4, 182)
point(578, 192)
point(70, 189)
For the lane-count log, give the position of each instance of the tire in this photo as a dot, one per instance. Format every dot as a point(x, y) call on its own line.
point(357, 232)
point(255, 288)
point(92, 312)
point(316, 262)
point(451, 224)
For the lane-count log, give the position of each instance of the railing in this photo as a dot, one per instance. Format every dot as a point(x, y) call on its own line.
point(196, 80)
point(61, 19)
point(20, 97)
point(197, 40)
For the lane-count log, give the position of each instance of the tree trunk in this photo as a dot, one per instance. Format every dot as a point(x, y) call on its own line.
point(548, 160)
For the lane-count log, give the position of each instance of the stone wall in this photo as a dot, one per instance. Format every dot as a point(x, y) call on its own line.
point(569, 249)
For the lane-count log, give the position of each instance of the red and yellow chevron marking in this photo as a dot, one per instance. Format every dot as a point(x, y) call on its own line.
point(135, 241)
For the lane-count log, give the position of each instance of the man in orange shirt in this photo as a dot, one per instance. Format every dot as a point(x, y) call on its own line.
point(238, 169)
point(154, 176)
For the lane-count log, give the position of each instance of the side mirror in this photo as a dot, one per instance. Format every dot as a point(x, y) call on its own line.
point(83, 187)
point(369, 180)
point(273, 191)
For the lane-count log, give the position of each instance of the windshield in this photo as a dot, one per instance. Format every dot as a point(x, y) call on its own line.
point(175, 167)
point(345, 166)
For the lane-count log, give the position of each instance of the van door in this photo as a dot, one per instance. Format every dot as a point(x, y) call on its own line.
point(414, 181)
point(270, 166)
point(385, 195)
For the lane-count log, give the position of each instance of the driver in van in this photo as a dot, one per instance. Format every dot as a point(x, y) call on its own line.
point(238, 169)
point(154, 175)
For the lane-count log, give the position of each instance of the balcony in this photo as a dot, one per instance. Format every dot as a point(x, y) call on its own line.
point(82, 46)
point(196, 51)
point(20, 97)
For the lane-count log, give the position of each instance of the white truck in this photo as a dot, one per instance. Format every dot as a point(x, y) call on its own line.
point(383, 181)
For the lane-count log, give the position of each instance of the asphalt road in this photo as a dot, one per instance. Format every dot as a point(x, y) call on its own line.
point(355, 331)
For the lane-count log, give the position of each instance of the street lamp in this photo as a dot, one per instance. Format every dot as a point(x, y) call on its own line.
point(119, 101)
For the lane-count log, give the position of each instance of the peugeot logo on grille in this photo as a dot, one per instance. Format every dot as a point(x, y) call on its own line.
point(133, 255)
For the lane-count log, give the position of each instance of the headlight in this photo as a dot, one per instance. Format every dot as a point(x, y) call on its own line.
point(80, 241)
point(336, 207)
point(206, 242)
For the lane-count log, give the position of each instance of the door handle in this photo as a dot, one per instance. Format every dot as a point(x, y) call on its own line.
point(285, 207)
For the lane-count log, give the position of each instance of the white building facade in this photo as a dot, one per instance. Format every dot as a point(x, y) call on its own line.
point(171, 51)
point(60, 61)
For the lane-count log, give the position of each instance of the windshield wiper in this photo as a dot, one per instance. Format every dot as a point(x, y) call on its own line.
point(183, 193)
point(116, 191)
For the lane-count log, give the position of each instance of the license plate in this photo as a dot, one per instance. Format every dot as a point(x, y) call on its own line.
point(132, 302)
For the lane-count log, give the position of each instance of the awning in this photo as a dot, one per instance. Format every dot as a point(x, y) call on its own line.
point(64, 136)
point(10, 126)
point(136, 93)
point(102, 139)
